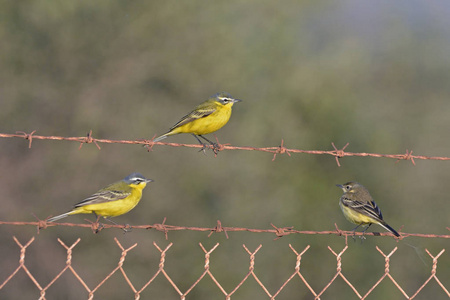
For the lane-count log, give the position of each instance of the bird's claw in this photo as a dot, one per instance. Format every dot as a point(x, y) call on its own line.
point(215, 148)
point(99, 227)
point(127, 228)
point(203, 149)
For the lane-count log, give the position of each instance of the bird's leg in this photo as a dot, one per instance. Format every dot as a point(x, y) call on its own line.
point(364, 231)
point(354, 230)
point(125, 230)
point(215, 146)
point(201, 143)
point(211, 142)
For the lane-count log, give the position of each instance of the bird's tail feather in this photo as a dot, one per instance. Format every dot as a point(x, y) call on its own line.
point(60, 216)
point(161, 137)
point(389, 228)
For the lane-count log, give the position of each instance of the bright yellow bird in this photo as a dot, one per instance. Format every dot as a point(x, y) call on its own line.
point(359, 208)
point(114, 200)
point(206, 118)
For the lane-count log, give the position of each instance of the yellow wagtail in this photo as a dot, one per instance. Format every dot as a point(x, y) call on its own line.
point(114, 200)
point(206, 118)
point(359, 208)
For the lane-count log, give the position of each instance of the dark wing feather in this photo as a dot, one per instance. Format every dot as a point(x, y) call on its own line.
point(369, 209)
point(104, 196)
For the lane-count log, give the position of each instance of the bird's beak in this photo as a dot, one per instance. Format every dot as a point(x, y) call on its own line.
point(237, 100)
point(340, 186)
point(149, 180)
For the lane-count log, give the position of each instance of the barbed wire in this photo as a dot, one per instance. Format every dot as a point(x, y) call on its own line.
point(316, 292)
point(281, 149)
point(165, 228)
point(279, 232)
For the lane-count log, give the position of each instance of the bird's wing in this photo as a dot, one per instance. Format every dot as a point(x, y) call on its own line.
point(201, 111)
point(105, 195)
point(369, 209)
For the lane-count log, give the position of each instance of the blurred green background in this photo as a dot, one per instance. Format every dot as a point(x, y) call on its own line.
point(374, 74)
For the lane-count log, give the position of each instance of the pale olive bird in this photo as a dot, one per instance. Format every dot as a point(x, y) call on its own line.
point(114, 200)
point(359, 208)
point(206, 118)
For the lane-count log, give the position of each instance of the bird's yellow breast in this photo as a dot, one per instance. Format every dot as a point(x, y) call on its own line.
point(208, 124)
point(116, 207)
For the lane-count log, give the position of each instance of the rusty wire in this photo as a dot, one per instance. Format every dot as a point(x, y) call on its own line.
point(281, 149)
point(165, 228)
point(316, 293)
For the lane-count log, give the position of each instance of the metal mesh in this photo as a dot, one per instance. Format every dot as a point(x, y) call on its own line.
point(315, 293)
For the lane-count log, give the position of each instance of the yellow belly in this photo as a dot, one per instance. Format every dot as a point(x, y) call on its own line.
point(355, 217)
point(206, 125)
point(111, 208)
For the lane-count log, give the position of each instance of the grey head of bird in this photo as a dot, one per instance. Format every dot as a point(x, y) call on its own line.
point(225, 98)
point(136, 178)
point(353, 188)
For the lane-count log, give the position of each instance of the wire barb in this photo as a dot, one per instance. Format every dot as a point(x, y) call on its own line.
point(88, 140)
point(27, 136)
point(281, 150)
point(280, 232)
point(148, 144)
point(338, 153)
point(161, 227)
point(218, 229)
point(406, 156)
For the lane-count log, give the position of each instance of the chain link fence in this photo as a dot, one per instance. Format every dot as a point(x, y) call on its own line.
point(315, 292)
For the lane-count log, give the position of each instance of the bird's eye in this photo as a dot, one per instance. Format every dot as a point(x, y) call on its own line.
point(348, 187)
